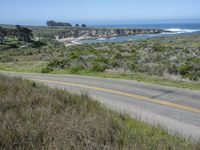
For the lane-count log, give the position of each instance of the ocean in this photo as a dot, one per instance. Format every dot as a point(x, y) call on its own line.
point(177, 29)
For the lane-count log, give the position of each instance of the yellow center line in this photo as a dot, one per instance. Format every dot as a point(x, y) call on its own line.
point(139, 97)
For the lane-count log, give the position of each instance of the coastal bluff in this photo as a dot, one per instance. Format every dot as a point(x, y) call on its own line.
point(104, 33)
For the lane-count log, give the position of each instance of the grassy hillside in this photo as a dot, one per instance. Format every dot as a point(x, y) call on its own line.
point(172, 57)
point(172, 61)
point(36, 117)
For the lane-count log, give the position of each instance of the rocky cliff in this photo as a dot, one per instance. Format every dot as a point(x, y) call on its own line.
point(105, 33)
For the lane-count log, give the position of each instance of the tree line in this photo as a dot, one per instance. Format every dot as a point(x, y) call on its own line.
point(22, 34)
point(52, 23)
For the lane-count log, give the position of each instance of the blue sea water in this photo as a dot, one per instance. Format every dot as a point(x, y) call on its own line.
point(177, 29)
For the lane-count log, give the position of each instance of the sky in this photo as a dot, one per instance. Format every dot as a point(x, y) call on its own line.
point(37, 12)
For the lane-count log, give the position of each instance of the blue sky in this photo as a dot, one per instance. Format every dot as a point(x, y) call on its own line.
point(99, 11)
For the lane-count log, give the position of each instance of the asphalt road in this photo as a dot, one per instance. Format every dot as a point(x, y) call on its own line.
point(177, 110)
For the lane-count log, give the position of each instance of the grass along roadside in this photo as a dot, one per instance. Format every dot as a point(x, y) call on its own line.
point(37, 66)
point(34, 116)
point(23, 66)
point(136, 77)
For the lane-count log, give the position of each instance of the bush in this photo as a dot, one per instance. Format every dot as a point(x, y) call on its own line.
point(98, 67)
point(58, 63)
point(76, 68)
point(101, 60)
point(55, 64)
point(158, 48)
point(117, 56)
point(132, 67)
point(38, 44)
point(114, 63)
point(73, 55)
point(152, 69)
point(47, 69)
point(194, 76)
point(184, 69)
point(190, 69)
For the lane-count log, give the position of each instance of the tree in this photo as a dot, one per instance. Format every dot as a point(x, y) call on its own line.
point(53, 23)
point(24, 34)
point(3, 34)
point(77, 25)
point(12, 33)
point(84, 25)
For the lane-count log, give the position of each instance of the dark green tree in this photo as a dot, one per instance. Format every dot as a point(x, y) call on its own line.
point(84, 25)
point(24, 34)
point(53, 23)
point(77, 25)
point(12, 33)
point(3, 34)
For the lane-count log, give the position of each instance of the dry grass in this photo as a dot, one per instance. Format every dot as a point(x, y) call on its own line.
point(33, 116)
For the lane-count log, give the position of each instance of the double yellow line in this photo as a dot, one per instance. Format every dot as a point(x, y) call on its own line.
point(139, 97)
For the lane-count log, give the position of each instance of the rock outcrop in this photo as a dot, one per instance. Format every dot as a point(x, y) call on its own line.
point(105, 33)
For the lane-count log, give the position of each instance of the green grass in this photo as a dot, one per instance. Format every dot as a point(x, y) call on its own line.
point(23, 66)
point(136, 77)
point(34, 116)
point(37, 66)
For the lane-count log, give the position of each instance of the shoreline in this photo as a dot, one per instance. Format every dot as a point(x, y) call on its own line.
point(114, 39)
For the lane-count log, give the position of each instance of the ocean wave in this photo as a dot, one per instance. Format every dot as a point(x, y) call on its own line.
point(101, 39)
point(151, 35)
point(112, 38)
point(179, 31)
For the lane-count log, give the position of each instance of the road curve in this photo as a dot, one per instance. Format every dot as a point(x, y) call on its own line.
point(176, 109)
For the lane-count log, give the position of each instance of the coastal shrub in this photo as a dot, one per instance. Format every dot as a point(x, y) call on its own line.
point(76, 68)
point(132, 67)
point(55, 64)
point(47, 69)
point(38, 44)
point(101, 60)
point(98, 67)
point(195, 60)
point(133, 57)
point(158, 48)
point(195, 71)
point(73, 55)
point(172, 68)
point(117, 56)
point(184, 69)
point(143, 55)
point(152, 69)
point(114, 63)
point(190, 69)
point(58, 63)
point(14, 45)
point(194, 76)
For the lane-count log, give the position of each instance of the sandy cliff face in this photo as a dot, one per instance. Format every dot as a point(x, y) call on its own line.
point(105, 33)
